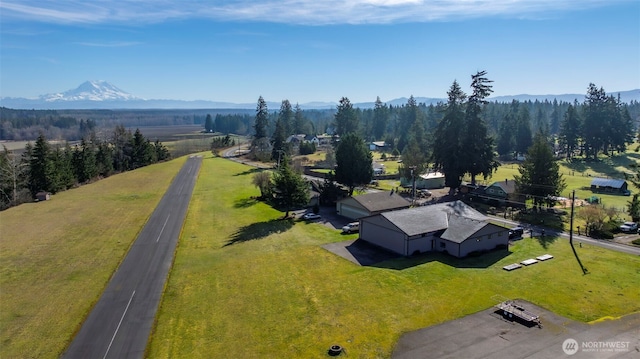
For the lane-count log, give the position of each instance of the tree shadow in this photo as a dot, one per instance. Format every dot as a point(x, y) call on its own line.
point(546, 240)
point(260, 230)
point(245, 202)
point(483, 260)
point(249, 171)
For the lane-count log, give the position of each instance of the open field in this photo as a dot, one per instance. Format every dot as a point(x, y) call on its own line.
point(248, 285)
point(57, 256)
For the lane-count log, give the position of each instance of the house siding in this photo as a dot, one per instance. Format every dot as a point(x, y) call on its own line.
point(485, 239)
point(377, 230)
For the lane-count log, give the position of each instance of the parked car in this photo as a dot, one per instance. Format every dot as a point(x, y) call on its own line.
point(351, 227)
point(516, 232)
point(310, 216)
point(629, 227)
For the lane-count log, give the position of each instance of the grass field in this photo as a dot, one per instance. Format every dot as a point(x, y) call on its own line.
point(57, 256)
point(248, 285)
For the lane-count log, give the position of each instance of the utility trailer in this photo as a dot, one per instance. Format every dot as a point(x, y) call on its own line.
point(512, 309)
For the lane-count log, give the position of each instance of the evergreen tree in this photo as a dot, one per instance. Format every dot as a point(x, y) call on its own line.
point(380, 119)
point(286, 116)
point(595, 121)
point(346, 120)
point(554, 122)
point(353, 162)
point(539, 176)
point(480, 158)
point(208, 124)
point(570, 130)
point(41, 168)
point(523, 129)
point(290, 190)
point(448, 149)
point(143, 152)
point(278, 141)
point(262, 120)
point(299, 121)
point(506, 143)
point(161, 151)
point(122, 141)
point(104, 159)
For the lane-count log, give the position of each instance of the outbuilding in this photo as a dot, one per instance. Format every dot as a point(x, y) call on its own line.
point(452, 227)
point(610, 185)
point(369, 204)
point(43, 196)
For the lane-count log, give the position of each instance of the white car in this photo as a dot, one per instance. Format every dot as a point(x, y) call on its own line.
point(629, 227)
point(351, 227)
point(310, 216)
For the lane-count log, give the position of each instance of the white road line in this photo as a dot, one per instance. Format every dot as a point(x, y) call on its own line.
point(162, 230)
point(120, 323)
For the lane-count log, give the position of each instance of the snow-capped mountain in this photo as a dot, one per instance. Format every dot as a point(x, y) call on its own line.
point(91, 91)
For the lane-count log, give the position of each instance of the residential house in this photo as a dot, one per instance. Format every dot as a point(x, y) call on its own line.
point(452, 227)
point(369, 204)
point(502, 191)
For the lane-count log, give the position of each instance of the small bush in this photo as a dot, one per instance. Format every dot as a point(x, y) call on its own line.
point(601, 234)
point(636, 241)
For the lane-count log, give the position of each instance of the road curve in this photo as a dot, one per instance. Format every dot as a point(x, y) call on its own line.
point(121, 321)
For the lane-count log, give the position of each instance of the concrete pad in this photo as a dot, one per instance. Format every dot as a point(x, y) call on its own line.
point(360, 252)
point(487, 334)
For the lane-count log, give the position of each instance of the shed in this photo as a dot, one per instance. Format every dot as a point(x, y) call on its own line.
point(451, 227)
point(43, 196)
point(610, 185)
point(370, 203)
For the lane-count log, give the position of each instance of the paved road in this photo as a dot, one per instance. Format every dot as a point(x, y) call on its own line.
point(120, 323)
point(576, 238)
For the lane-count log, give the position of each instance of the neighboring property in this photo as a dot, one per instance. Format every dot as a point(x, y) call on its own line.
point(452, 227)
point(378, 168)
point(43, 196)
point(370, 203)
point(377, 146)
point(501, 190)
point(612, 186)
point(428, 180)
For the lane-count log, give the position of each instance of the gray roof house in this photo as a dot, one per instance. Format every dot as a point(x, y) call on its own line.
point(370, 203)
point(451, 227)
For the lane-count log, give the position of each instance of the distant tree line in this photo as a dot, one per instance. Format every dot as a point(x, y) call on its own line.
point(43, 167)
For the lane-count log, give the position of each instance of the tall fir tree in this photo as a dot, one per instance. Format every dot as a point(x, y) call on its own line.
point(290, 190)
point(448, 148)
point(353, 162)
point(346, 119)
point(540, 177)
point(479, 145)
point(570, 129)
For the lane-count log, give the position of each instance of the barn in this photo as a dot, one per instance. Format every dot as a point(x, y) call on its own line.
point(610, 185)
point(452, 227)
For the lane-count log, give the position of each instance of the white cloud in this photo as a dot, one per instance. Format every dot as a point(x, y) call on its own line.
point(304, 12)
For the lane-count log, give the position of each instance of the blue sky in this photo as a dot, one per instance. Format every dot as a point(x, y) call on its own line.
point(317, 50)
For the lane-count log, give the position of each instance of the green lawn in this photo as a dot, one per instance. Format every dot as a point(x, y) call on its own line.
point(248, 285)
point(57, 256)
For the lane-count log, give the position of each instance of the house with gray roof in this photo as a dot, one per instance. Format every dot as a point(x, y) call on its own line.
point(369, 204)
point(451, 227)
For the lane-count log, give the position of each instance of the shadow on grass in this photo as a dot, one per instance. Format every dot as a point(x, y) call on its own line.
point(483, 260)
point(249, 171)
point(260, 230)
point(603, 165)
point(546, 240)
point(245, 202)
